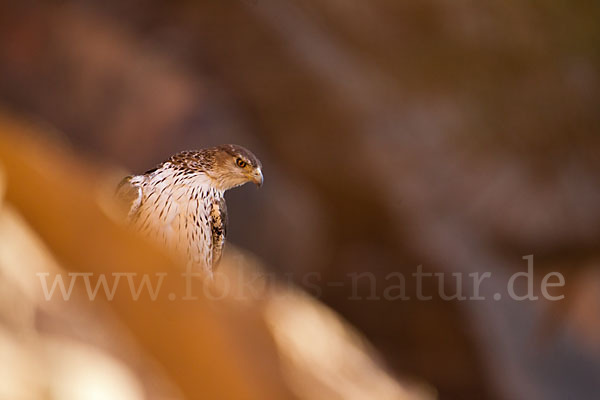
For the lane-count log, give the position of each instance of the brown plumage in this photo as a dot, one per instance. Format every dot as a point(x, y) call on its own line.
point(181, 202)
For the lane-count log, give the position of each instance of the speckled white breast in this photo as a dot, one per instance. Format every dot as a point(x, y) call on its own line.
point(175, 210)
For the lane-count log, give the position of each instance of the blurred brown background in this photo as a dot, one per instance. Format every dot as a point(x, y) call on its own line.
point(457, 135)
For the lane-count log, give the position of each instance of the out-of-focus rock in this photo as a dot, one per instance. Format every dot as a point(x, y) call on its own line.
point(460, 136)
point(221, 345)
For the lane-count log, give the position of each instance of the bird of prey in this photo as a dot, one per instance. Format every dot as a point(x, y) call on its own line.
point(181, 202)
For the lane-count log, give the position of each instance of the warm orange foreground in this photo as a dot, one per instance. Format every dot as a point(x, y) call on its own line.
point(53, 218)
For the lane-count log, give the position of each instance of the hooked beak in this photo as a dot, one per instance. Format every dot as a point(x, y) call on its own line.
point(257, 177)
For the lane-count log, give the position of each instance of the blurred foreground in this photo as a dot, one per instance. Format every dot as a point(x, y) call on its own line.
point(460, 136)
point(275, 344)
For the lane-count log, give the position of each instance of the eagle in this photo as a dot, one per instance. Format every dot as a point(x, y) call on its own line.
point(181, 202)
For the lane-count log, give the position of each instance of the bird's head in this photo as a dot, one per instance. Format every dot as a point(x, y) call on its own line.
point(234, 166)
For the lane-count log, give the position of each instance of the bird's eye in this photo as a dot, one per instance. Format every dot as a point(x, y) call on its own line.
point(240, 163)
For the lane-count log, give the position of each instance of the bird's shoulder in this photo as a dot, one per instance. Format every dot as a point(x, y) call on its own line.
point(218, 221)
point(192, 161)
point(129, 194)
